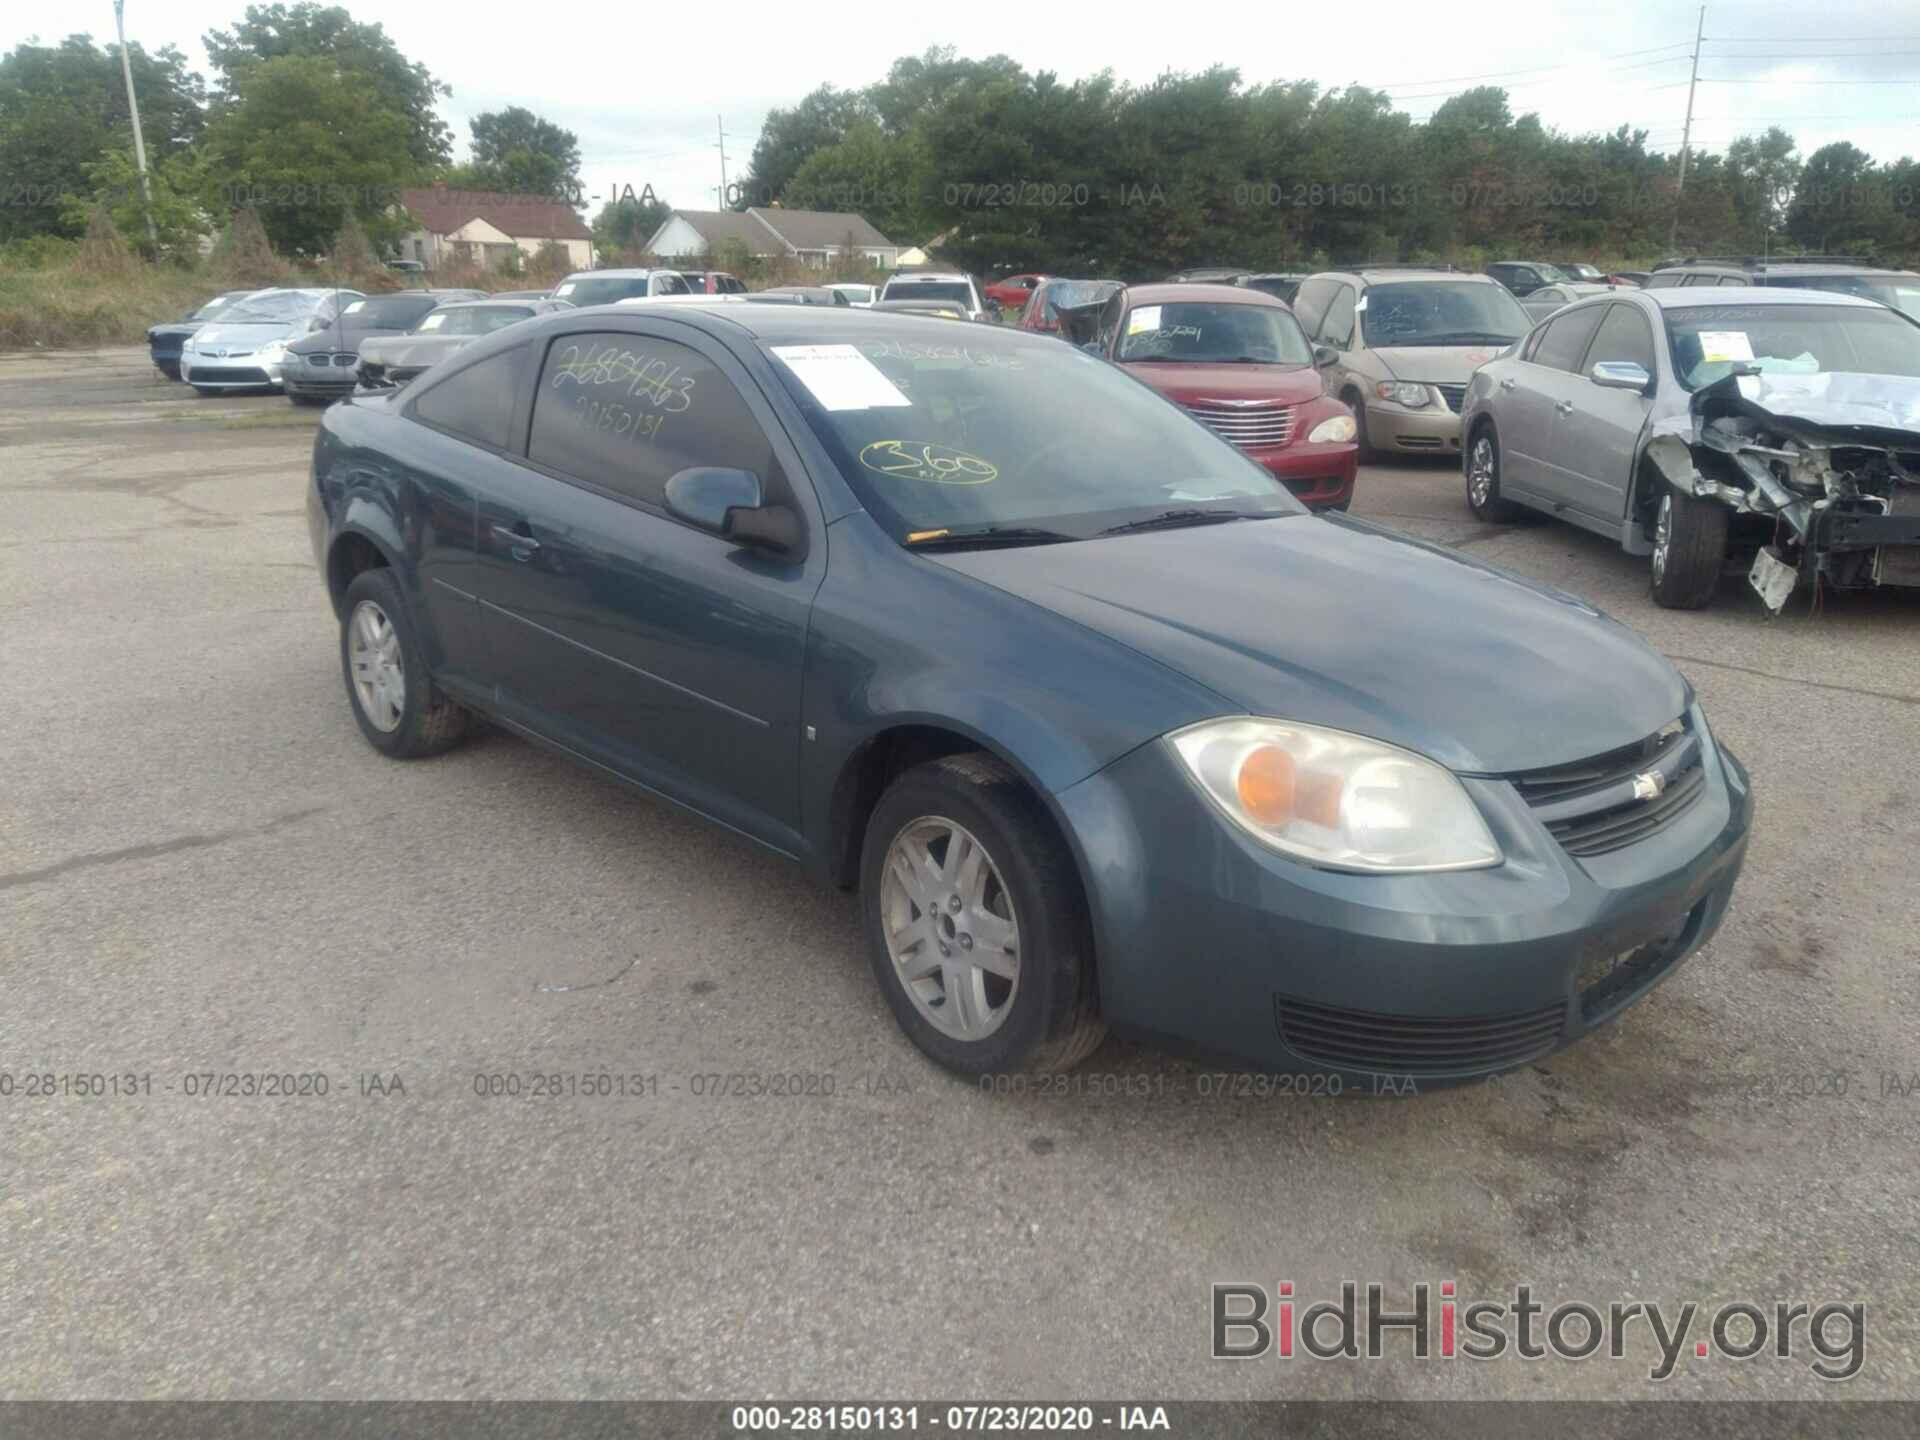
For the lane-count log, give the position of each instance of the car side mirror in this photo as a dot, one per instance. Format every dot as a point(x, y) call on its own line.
point(1325, 355)
point(1621, 375)
point(731, 504)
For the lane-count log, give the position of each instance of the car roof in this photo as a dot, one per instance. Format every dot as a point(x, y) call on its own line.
point(632, 274)
point(911, 276)
point(1193, 292)
point(1377, 275)
point(489, 300)
point(1673, 297)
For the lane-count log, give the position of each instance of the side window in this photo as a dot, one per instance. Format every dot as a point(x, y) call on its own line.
point(1623, 335)
point(475, 403)
point(1565, 340)
point(668, 284)
point(1662, 280)
point(1337, 329)
point(1310, 303)
point(1110, 320)
point(625, 412)
point(1525, 275)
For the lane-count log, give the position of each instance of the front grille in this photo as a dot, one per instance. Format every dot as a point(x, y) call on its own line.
point(1610, 801)
point(1247, 426)
point(228, 375)
point(1410, 1045)
point(1454, 395)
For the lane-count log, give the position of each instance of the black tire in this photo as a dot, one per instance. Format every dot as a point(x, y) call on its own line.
point(1364, 453)
point(1053, 1021)
point(204, 393)
point(428, 722)
point(1686, 572)
point(306, 399)
point(1492, 507)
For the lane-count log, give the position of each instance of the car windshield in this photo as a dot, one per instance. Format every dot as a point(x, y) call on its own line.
point(1578, 272)
point(274, 307)
point(474, 320)
point(1709, 341)
point(389, 312)
point(1902, 292)
point(1214, 332)
point(856, 292)
point(1442, 312)
point(1006, 430)
point(930, 290)
point(1070, 293)
point(605, 289)
point(215, 306)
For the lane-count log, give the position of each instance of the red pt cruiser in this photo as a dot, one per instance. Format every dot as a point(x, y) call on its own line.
point(1238, 361)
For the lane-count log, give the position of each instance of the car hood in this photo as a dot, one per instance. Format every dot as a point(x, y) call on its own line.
point(339, 337)
point(1435, 364)
point(395, 350)
point(248, 337)
point(1340, 623)
point(1189, 384)
point(1867, 407)
point(180, 328)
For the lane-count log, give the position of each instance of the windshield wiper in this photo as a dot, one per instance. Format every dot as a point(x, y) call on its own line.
point(987, 535)
point(1167, 519)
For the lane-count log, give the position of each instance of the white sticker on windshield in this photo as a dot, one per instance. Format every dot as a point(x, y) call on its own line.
point(1729, 345)
point(840, 377)
point(1147, 317)
point(433, 322)
point(356, 307)
point(566, 289)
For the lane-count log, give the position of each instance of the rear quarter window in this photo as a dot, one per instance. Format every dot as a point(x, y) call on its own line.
point(476, 402)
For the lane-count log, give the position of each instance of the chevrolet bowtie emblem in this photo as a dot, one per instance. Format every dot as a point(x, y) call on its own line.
point(1649, 785)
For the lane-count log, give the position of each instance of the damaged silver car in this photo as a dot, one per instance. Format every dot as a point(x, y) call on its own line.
point(1775, 433)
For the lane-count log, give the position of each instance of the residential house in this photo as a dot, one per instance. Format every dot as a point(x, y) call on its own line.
point(485, 226)
point(814, 237)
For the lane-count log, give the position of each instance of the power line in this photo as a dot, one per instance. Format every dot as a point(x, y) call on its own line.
point(1525, 70)
point(1770, 80)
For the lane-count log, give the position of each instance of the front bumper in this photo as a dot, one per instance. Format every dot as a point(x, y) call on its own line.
point(1209, 941)
point(315, 382)
point(235, 372)
point(1430, 430)
point(1317, 475)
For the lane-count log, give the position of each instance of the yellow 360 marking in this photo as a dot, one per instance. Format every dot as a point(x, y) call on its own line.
point(922, 460)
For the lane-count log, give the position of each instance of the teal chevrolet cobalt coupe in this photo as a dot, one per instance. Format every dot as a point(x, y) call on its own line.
point(1107, 731)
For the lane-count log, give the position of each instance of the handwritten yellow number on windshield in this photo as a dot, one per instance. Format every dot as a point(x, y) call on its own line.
point(920, 460)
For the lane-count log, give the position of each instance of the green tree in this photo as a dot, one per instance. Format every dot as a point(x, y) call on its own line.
point(789, 137)
point(1763, 170)
point(625, 223)
point(64, 107)
point(1842, 202)
point(304, 140)
point(175, 185)
point(516, 151)
point(403, 88)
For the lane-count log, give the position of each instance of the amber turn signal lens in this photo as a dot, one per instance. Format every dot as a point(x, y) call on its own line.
point(1266, 785)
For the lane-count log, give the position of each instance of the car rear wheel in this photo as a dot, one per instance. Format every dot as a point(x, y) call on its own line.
point(976, 929)
point(1689, 549)
point(393, 698)
point(1483, 480)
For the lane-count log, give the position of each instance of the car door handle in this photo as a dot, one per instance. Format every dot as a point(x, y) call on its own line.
point(1506, 384)
point(522, 544)
point(1565, 407)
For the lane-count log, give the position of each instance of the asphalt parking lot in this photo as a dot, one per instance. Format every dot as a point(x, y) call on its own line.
point(205, 870)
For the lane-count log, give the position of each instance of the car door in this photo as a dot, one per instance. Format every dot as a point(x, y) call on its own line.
point(456, 448)
point(1523, 411)
point(663, 652)
point(1596, 439)
point(1550, 383)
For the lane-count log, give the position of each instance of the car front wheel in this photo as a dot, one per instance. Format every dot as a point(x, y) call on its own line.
point(1689, 549)
point(976, 929)
point(393, 698)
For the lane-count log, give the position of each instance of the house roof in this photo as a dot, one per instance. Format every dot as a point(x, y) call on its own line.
point(441, 211)
point(819, 229)
point(716, 226)
point(775, 231)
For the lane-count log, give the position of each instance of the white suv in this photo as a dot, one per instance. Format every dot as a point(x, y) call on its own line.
point(603, 287)
point(936, 285)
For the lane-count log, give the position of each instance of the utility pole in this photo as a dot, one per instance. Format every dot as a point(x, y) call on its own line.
point(133, 109)
point(719, 128)
point(1686, 133)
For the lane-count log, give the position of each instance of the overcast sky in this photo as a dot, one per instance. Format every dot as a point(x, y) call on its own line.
point(645, 93)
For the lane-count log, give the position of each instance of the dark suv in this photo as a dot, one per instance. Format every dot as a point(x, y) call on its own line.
point(1523, 277)
point(1844, 274)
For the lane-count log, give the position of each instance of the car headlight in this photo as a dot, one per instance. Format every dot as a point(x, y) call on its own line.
point(1411, 396)
point(1336, 800)
point(1332, 431)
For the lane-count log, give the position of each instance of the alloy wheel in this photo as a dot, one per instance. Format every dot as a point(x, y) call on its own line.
point(1480, 473)
point(1662, 536)
point(379, 677)
point(950, 928)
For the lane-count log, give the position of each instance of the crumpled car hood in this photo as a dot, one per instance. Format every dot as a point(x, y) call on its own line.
point(1835, 400)
point(408, 350)
point(1349, 625)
